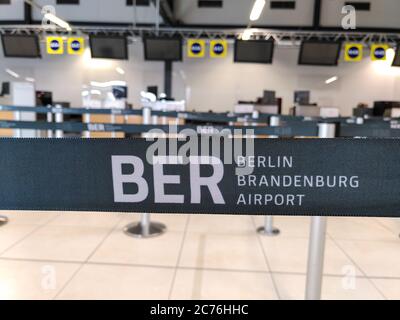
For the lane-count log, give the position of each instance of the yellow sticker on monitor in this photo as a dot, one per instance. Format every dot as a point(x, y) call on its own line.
point(196, 48)
point(76, 46)
point(353, 52)
point(378, 52)
point(54, 45)
point(218, 48)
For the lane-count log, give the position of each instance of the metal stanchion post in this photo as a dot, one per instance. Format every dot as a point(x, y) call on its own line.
point(146, 114)
point(18, 132)
point(316, 249)
point(3, 220)
point(86, 119)
point(49, 120)
point(59, 117)
point(164, 119)
point(113, 134)
point(145, 228)
point(255, 115)
point(268, 229)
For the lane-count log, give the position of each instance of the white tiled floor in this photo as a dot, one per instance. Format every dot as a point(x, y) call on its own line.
point(87, 256)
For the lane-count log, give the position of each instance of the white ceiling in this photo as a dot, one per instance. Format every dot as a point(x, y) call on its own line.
point(14, 11)
point(101, 10)
point(383, 14)
point(237, 12)
point(106, 11)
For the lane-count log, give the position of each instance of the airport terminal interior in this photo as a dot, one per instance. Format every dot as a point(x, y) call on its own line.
point(292, 71)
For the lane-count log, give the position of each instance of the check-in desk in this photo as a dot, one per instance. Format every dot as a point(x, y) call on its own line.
point(315, 111)
point(19, 94)
point(6, 115)
point(105, 118)
point(129, 119)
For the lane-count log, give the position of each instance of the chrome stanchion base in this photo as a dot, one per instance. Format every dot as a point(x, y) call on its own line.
point(271, 233)
point(136, 230)
point(268, 228)
point(3, 220)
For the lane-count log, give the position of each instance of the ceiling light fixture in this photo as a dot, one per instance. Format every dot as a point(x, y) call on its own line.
point(12, 73)
point(330, 80)
point(120, 70)
point(258, 8)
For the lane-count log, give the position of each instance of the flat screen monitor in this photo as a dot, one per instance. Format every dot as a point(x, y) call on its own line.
point(254, 51)
point(381, 107)
point(109, 47)
point(319, 53)
point(269, 98)
point(362, 112)
point(5, 89)
point(44, 98)
point(163, 49)
point(302, 97)
point(120, 92)
point(153, 90)
point(20, 46)
point(396, 61)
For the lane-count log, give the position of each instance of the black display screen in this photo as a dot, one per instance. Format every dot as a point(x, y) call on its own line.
point(20, 46)
point(396, 61)
point(254, 51)
point(109, 47)
point(163, 49)
point(319, 53)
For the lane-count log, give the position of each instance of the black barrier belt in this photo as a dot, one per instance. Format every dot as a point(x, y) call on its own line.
point(26, 109)
point(300, 129)
point(194, 116)
point(385, 129)
point(326, 177)
point(210, 117)
point(137, 112)
point(74, 111)
point(81, 111)
point(373, 127)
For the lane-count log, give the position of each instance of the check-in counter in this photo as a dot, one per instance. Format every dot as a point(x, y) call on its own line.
point(102, 118)
point(6, 115)
point(134, 119)
point(18, 94)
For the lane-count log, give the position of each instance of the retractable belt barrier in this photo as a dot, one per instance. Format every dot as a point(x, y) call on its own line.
point(390, 129)
point(304, 129)
point(373, 129)
point(194, 116)
point(327, 177)
point(207, 171)
point(290, 125)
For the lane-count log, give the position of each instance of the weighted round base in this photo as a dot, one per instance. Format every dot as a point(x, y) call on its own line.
point(136, 230)
point(3, 220)
point(270, 233)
